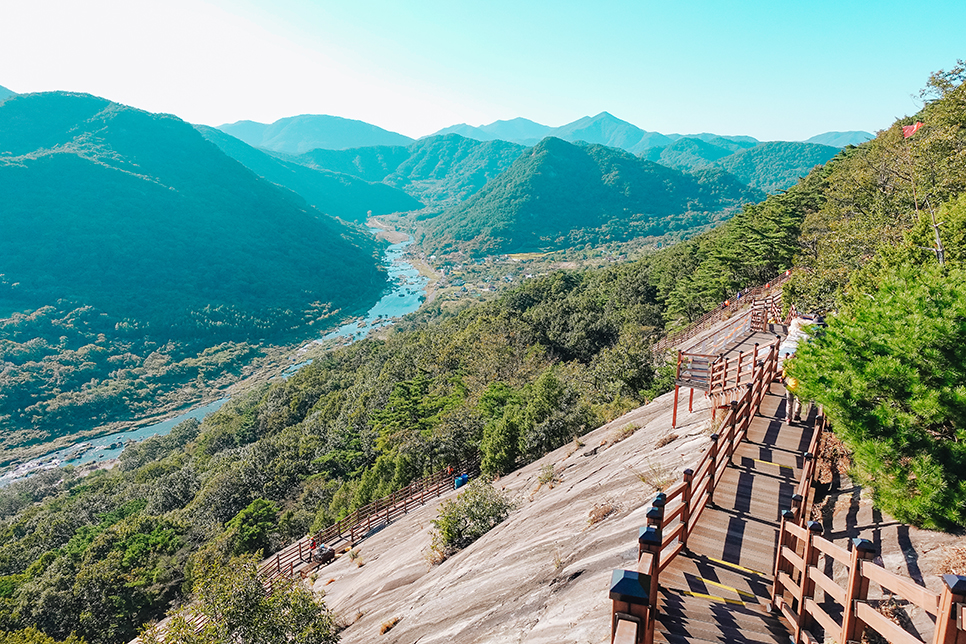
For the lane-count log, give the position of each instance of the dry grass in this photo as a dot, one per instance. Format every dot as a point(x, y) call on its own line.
point(557, 559)
point(356, 558)
point(341, 622)
point(624, 432)
point(387, 625)
point(666, 440)
point(548, 476)
point(574, 446)
point(601, 511)
point(658, 475)
point(834, 459)
point(434, 555)
point(953, 561)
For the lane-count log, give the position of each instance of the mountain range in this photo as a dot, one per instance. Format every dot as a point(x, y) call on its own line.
point(436, 170)
point(559, 194)
point(335, 193)
point(606, 129)
point(299, 134)
point(769, 167)
point(5, 93)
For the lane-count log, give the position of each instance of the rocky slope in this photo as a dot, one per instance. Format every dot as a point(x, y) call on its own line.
point(543, 574)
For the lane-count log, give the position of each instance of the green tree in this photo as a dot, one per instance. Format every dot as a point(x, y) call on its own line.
point(251, 527)
point(235, 607)
point(890, 374)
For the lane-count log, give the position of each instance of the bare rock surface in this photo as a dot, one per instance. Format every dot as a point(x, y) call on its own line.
point(543, 574)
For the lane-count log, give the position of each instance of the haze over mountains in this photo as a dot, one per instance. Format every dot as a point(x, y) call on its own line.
point(334, 193)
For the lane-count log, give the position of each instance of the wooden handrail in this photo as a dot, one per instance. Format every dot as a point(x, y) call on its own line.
point(905, 588)
point(798, 556)
point(297, 556)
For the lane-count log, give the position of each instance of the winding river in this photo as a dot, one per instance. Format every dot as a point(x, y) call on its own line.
point(407, 290)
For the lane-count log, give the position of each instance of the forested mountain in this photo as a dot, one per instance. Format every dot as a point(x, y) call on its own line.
point(507, 380)
point(451, 168)
point(334, 193)
point(299, 134)
point(841, 139)
point(769, 167)
point(373, 163)
point(5, 93)
point(559, 194)
point(775, 165)
point(727, 141)
point(436, 169)
point(137, 245)
point(606, 129)
point(687, 153)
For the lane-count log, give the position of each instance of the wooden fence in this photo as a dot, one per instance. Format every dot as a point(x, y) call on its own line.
point(721, 312)
point(298, 558)
point(673, 515)
point(817, 608)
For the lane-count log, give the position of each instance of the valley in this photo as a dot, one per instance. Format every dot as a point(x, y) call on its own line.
point(385, 308)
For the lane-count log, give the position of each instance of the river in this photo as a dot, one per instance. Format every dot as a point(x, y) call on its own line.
point(407, 289)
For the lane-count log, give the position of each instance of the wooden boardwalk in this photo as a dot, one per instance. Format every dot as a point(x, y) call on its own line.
point(717, 589)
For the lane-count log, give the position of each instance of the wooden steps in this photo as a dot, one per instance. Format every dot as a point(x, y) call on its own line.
point(716, 590)
point(684, 619)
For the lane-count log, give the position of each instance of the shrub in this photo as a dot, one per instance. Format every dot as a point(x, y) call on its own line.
point(476, 511)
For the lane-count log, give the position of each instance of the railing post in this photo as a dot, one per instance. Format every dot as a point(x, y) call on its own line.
point(856, 589)
point(783, 538)
point(712, 466)
point(950, 628)
point(651, 539)
point(797, 509)
point(807, 587)
point(630, 602)
point(686, 500)
point(754, 362)
point(677, 376)
point(732, 431)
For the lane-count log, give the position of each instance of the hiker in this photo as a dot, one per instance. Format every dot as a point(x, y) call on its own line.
point(324, 555)
point(792, 404)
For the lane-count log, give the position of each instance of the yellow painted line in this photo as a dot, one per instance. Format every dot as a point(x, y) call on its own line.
point(714, 598)
point(787, 467)
point(736, 566)
point(743, 593)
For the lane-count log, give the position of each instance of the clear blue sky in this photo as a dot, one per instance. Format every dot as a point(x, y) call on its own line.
point(774, 70)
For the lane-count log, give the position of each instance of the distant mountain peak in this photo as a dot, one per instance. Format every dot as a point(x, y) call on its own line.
point(6, 93)
point(304, 132)
point(841, 139)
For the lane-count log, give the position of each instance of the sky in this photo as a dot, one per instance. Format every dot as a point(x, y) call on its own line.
point(774, 70)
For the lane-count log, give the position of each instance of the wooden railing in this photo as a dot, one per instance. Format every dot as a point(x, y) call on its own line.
point(297, 558)
point(719, 313)
point(720, 377)
point(673, 515)
point(804, 558)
